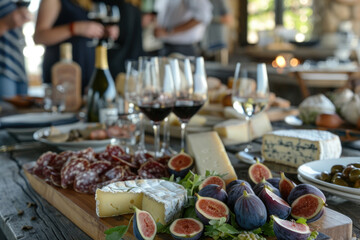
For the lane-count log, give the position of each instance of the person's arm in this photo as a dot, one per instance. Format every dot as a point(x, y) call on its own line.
point(46, 34)
point(14, 19)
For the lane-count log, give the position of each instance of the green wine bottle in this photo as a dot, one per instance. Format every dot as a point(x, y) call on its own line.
point(101, 98)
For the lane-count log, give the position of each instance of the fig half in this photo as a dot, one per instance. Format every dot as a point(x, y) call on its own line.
point(180, 164)
point(213, 180)
point(274, 204)
point(210, 209)
point(288, 230)
point(186, 228)
point(144, 225)
point(285, 186)
point(258, 171)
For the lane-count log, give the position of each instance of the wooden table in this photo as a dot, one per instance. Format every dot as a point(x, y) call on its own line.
point(21, 206)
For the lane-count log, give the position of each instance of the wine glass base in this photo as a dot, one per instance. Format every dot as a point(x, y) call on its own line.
point(249, 157)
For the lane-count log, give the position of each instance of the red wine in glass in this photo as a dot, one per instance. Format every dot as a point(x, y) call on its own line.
point(186, 109)
point(156, 112)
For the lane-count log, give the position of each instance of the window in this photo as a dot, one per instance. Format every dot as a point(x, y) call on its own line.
point(292, 14)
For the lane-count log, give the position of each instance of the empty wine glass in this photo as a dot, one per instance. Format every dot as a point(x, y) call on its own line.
point(191, 90)
point(156, 94)
point(133, 71)
point(250, 94)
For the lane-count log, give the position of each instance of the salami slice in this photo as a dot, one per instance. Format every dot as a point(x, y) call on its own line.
point(88, 154)
point(73, 167)
point(152, 169)
point(84, 180)
point(43, 162)
point(57, 162)
point(100, 167)
point(141, 158)
point(115, 173)
point(123, 160)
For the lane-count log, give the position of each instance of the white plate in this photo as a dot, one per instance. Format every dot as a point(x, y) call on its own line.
point(293, 120)
point(23, 126)
point(348, 196)
point(97, 145)
point(311, 170)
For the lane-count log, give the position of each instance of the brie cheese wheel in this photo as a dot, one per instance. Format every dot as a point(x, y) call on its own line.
point(295, 147)
point(162, 199)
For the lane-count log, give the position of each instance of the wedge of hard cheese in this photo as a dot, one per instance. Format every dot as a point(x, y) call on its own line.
point(210, 155)
point(237, 130)
point(162, 199)
point(295, 147)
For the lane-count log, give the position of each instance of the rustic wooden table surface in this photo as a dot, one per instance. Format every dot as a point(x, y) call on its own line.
point(26, 215)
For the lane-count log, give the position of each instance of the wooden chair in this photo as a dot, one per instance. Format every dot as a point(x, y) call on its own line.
point(322, 79)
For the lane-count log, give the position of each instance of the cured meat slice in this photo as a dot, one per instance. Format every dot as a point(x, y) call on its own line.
point(100, 166)
point(88, 154)
point(84, 180)
point(73, 167)
point(141, 158)
point(123, 160)
point(43, 162)
point(152, 169)
point(117, 172)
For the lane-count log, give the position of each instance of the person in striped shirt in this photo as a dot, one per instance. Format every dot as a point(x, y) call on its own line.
point(13, 79)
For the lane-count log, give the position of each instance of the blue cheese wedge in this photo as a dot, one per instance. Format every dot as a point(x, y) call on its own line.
point(162, 199)
point(296, 147)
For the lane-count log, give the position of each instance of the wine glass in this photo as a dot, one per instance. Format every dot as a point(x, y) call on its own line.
point(97, 13)
point(156, 94)
point(133, 72)
point(112, 18)
point(191, 90)
point(250, 94)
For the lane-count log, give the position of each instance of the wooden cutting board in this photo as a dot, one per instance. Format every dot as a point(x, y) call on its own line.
point(80, 209)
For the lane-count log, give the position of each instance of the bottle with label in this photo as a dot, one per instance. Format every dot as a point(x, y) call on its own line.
point(66, 81)
point(101, 98)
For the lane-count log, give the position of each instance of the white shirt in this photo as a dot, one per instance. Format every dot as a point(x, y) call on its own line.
point(172, 13)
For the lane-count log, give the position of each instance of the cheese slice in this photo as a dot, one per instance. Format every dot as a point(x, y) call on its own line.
point(162, 199)
point(295, 147)
point(237, 130)
point(210, 155)
point(196, 120)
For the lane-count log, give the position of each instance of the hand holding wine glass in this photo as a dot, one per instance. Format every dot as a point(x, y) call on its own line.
point(250, 94)
point(156, 94)
point(191, 90)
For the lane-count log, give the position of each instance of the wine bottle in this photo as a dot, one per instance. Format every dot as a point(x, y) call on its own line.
point(101, 98)
point(66, 81)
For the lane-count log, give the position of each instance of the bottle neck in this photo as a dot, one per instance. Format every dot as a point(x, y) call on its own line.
point(66, 52)
point(101, 61)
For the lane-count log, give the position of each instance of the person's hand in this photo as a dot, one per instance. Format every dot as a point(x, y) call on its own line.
point(160, 32)
point(17, 18)
point(89, 29)
point(113, 31)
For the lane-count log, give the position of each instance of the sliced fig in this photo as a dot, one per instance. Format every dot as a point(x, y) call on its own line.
point(260, 186)
point(274, 181)
point(250, 211)
point(285, 186)
point(214, 191)
point(210, 208)
point(317, 216)
point(180, 164)
point(307, 206)
point(186, 228)
point(236, 182)
point(144, 225)
point(236, 192)
point(213, 180)
point(288, 230)
point(303, 189)
point(274, 204)
point(258, 171)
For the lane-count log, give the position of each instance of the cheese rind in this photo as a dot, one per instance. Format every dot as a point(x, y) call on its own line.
point(162, 199)
point(296, 147)
point(210, 155)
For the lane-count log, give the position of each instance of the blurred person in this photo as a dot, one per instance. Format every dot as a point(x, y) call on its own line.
point(181, 24)
point(215, 38)
point(13, 79)
point(61, 21)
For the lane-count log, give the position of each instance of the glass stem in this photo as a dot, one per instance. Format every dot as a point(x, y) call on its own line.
point(166, 135)
point(183, 130)
point(156, 140)
point(248, 146)
point(142, 133)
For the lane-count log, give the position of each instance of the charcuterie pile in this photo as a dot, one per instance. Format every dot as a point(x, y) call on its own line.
point(85, 170)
